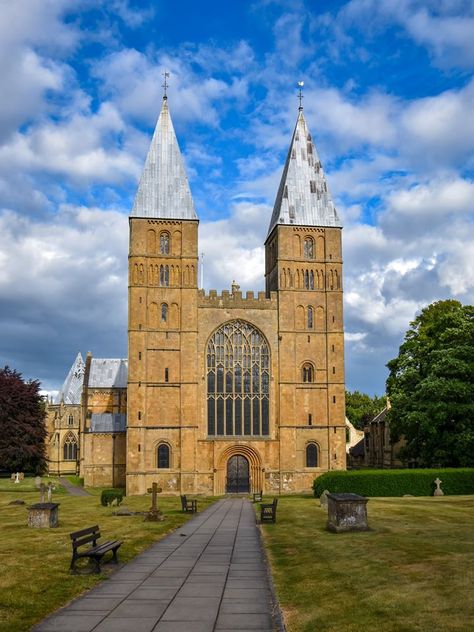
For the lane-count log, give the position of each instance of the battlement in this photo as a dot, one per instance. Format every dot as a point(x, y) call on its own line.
point(235, 300)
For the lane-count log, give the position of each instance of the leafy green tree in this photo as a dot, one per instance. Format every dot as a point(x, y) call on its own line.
point(361, 408)
point(22, 424)
point(431, 387)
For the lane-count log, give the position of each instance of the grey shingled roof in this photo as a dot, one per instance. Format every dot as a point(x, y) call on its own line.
point(164, 190)
point(71, 390)
point(303, 197)
point(108, 373)
point(108, 422)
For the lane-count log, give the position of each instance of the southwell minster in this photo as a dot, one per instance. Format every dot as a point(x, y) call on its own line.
point(221, 392)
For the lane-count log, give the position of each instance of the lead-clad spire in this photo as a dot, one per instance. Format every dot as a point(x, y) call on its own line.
point(164, 191)
point(303, 197)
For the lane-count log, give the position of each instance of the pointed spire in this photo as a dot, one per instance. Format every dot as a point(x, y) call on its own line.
point(164, 190)
point(303, 196)
point(71, 390)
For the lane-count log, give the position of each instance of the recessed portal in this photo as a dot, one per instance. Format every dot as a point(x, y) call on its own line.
point(238, 480)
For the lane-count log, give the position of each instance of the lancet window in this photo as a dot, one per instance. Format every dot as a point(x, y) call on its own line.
point(238, 381)
point(310, 318)
point(164, 244)
point(164, 276)
point(307, 372)
point(70, 447)
point(164, 312)
point(308, 248)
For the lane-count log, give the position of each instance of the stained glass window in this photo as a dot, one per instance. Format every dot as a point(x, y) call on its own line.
point(238, 381)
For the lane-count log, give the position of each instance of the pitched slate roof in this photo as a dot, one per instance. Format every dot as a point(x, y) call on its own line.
point(71, 390)
point(163, 191)
point(303, 197)
point(108, 373)
point(108, 422)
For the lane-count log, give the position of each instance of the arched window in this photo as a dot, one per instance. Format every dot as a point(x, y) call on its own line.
point(70, 421)
point(238, 381)
point(307, 372)
point(310, 318)
point(163, 456)
point(164, 312)
point(70, 447)
point(311, 280)
point(308, 248)
point(164, 276)
point(306, 280)
point(165, 244)
point(311, 455)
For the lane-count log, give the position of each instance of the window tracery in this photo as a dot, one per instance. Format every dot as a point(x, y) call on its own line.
point(238, 381)
point(70, 447)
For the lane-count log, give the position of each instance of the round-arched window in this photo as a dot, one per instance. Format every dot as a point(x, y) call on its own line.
point(311, 455)
point(163, 456)
point(238, 381)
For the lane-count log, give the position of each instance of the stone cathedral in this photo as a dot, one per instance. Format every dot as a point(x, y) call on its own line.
point(222, 393)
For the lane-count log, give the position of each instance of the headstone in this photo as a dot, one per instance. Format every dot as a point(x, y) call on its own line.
point(43, 515)
point(17, 477)
point(17, 502)
point(323, 499)
point(347, 512)
point(124, 511)
point(12, 478)
point(154, 514)
point(50, 492)
point(22, 476)
point(37, 482)
point(438, 491)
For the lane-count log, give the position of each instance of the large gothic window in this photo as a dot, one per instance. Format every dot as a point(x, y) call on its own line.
point(70, 447)
point(238, 381)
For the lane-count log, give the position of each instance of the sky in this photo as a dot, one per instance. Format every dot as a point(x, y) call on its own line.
point(389, 100)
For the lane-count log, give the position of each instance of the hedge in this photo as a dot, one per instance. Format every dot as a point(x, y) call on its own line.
point(455, 481)
point(108, 496)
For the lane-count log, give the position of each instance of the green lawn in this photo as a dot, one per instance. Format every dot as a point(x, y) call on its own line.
point(414, 571)
point(34, 563)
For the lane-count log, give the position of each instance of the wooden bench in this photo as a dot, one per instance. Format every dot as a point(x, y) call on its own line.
point(94, 552)
point(189, 506)
point(268, 512)
point(258, 497)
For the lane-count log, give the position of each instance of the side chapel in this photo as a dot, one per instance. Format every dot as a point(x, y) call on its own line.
point(223, 393)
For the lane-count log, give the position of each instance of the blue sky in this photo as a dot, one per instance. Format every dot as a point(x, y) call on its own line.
point(389, 98)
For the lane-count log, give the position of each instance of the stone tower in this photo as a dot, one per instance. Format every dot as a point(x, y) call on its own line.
point(303, 263)
point(163, 260)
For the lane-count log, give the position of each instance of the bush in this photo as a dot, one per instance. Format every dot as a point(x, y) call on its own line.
point(108, 496)
point(396, 482)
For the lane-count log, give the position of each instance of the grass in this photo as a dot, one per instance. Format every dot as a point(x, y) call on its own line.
point(34, 563)
point(414, 571)
point(27, 485)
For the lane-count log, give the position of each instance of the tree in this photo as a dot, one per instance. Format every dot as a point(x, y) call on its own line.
point(361, 408)
point(431, 387)
point(22, 424)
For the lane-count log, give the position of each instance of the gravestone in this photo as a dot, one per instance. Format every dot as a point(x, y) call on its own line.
point(347, 512)
point(37, 482)
point(154, 514)
point(323, 499)
point(17, 477)
point(438, 491)
point(44, 515)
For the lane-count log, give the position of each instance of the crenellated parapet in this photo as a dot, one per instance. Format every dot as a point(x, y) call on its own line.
point(235, 300)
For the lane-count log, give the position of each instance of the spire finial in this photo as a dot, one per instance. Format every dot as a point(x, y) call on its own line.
point(166, 74)
point(300, 94)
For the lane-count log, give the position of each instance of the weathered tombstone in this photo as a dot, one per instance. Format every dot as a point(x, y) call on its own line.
point(438, 491)
point(347, 512)
point(12, 478)
point(22, 476)
point(44, 515)
point(37, 482)
point(17, 477)
point(323, 499)
point(154, 514)
point(50, 492)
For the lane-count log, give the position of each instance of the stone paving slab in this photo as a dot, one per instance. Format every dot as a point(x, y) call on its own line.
point(210, 575)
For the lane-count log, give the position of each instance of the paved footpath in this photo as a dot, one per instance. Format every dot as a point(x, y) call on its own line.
point(209, 575)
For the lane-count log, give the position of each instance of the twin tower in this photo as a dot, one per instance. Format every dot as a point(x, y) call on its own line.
point(230, 393)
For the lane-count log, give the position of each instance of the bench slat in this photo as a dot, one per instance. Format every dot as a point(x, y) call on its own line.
point(78, 534)
point(86, 540)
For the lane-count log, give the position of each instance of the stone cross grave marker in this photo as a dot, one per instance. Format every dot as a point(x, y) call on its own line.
point(17, 477)
point(154, 513)
point(438, 491)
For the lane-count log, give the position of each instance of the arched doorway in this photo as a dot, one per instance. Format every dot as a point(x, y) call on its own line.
point(238, 478)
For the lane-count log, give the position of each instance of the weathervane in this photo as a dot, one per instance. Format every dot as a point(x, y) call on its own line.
point(300, 93)
point(165, 84)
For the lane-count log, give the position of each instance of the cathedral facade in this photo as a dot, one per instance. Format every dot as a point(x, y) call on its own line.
point(227, 393)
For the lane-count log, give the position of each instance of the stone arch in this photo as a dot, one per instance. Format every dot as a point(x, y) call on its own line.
point(255, 467)
point(70, 447)
point(151, 241)
point(319, 318)
point(297, 246)
point(176, 245)
point(300, 317)
point(320, 248)
point(312, 454)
